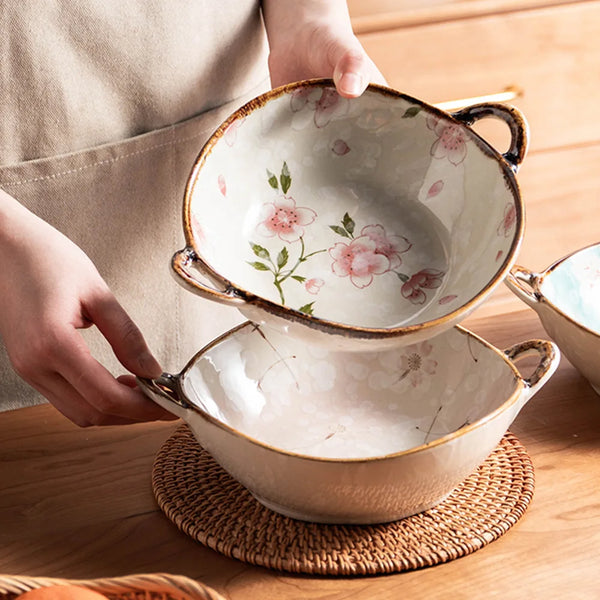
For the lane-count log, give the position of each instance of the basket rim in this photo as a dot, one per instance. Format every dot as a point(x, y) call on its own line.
point(184, 587)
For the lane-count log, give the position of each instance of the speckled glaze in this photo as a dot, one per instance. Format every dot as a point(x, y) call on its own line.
point(566, 297)
point(357, 224)
point(340, 437)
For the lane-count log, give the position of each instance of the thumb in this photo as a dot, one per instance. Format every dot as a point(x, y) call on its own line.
point(353, 70)
point(122, 334)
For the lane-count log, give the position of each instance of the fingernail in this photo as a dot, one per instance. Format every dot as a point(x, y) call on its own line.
point(351, 84)
point(150, 365)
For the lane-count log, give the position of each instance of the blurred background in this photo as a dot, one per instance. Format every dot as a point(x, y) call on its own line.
point(542, 56)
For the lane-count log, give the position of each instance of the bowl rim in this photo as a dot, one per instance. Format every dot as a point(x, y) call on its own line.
point(510, 401)
point(547, 273)
point(328, 325)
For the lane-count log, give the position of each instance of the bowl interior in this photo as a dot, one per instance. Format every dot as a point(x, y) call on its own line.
point(573, 286)
point(310, 401)
point(378, 212)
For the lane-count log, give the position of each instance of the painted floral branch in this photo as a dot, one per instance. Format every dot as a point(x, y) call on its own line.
point(282, 218)
point(276, 267)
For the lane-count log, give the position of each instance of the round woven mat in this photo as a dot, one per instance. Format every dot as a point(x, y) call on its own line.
point(207, 504)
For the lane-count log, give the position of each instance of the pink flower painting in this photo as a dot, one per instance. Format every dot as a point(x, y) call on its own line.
point(358, 260)
point(313, 286)
point(425, 279)
point(222, 185)
point(451, 140)
point(508, 220)
point(340, 147)
point(284, 219)
point(326, 107)
point(391, 246)
point(435, 188)
point(230, 134)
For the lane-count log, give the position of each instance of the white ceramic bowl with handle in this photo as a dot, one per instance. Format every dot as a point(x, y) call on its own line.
point(356, 224)
point(566, 297)
point(339, 437)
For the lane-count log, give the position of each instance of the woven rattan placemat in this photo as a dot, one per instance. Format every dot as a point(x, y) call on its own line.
point(207, 504)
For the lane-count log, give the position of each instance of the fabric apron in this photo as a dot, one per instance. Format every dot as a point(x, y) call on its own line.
point(119, 198)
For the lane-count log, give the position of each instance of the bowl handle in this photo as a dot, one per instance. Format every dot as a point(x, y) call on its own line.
point(185, 265)
point(523, 283)
point(549, 356)
point(512, 116)
point(164, 390)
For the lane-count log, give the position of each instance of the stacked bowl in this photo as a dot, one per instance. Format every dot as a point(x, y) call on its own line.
point(354, 235)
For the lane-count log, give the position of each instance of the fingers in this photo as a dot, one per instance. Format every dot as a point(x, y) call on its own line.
point(73, 406)
point(353, 70)
point(59, 365)
point(107, 398)
point(122, 334)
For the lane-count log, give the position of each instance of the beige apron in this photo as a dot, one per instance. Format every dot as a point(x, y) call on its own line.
point(101, 149)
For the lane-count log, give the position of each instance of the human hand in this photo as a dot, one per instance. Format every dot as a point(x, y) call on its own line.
point(314, 38)
point(48, 289)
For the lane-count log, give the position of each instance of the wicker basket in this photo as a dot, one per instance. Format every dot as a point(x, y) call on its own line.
point(135, 587)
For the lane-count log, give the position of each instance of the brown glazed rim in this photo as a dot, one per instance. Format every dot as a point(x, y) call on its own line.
point(514, 397)
point(329, 326)
point(539, 282)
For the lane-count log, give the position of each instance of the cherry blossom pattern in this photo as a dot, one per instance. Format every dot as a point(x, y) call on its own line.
point(340, 147)
point(328, 105)
point(222, 185)
point(283, 219)
point(425, 279)
point(435, 188)
point(391, 246)
point(373, 252)
point(508, 220)
point(230, 133)
point(358, 260)
point(313, 286)
point(451, 142)
point(447, 299)
point(415, 363)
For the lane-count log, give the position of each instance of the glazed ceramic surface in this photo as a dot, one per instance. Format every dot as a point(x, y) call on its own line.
point(358, 219)
point(566, 297)
point(350, 437)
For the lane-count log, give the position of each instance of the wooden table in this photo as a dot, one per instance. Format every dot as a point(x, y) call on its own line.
point(77, 503)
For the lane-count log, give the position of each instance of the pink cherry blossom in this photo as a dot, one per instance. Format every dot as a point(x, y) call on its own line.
point(197, 230)
point(284, 219)
point(509, 219)
point(340, 147)
point(327, 106)
point(447, 299)
point(451, 142)
point(414, 363)
point(299, 98)
point(435, 189)
point(222, 185)
point(358, 260)
point(391, 246)
point(314, 285)
point(425, 279)
point(230, 134)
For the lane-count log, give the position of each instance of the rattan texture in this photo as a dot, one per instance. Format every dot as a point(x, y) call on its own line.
point(151, 586)
point(208, 505)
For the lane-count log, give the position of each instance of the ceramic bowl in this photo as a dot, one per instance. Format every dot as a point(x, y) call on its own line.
point(566, 297)
point(350, 437)
point(358, 224)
